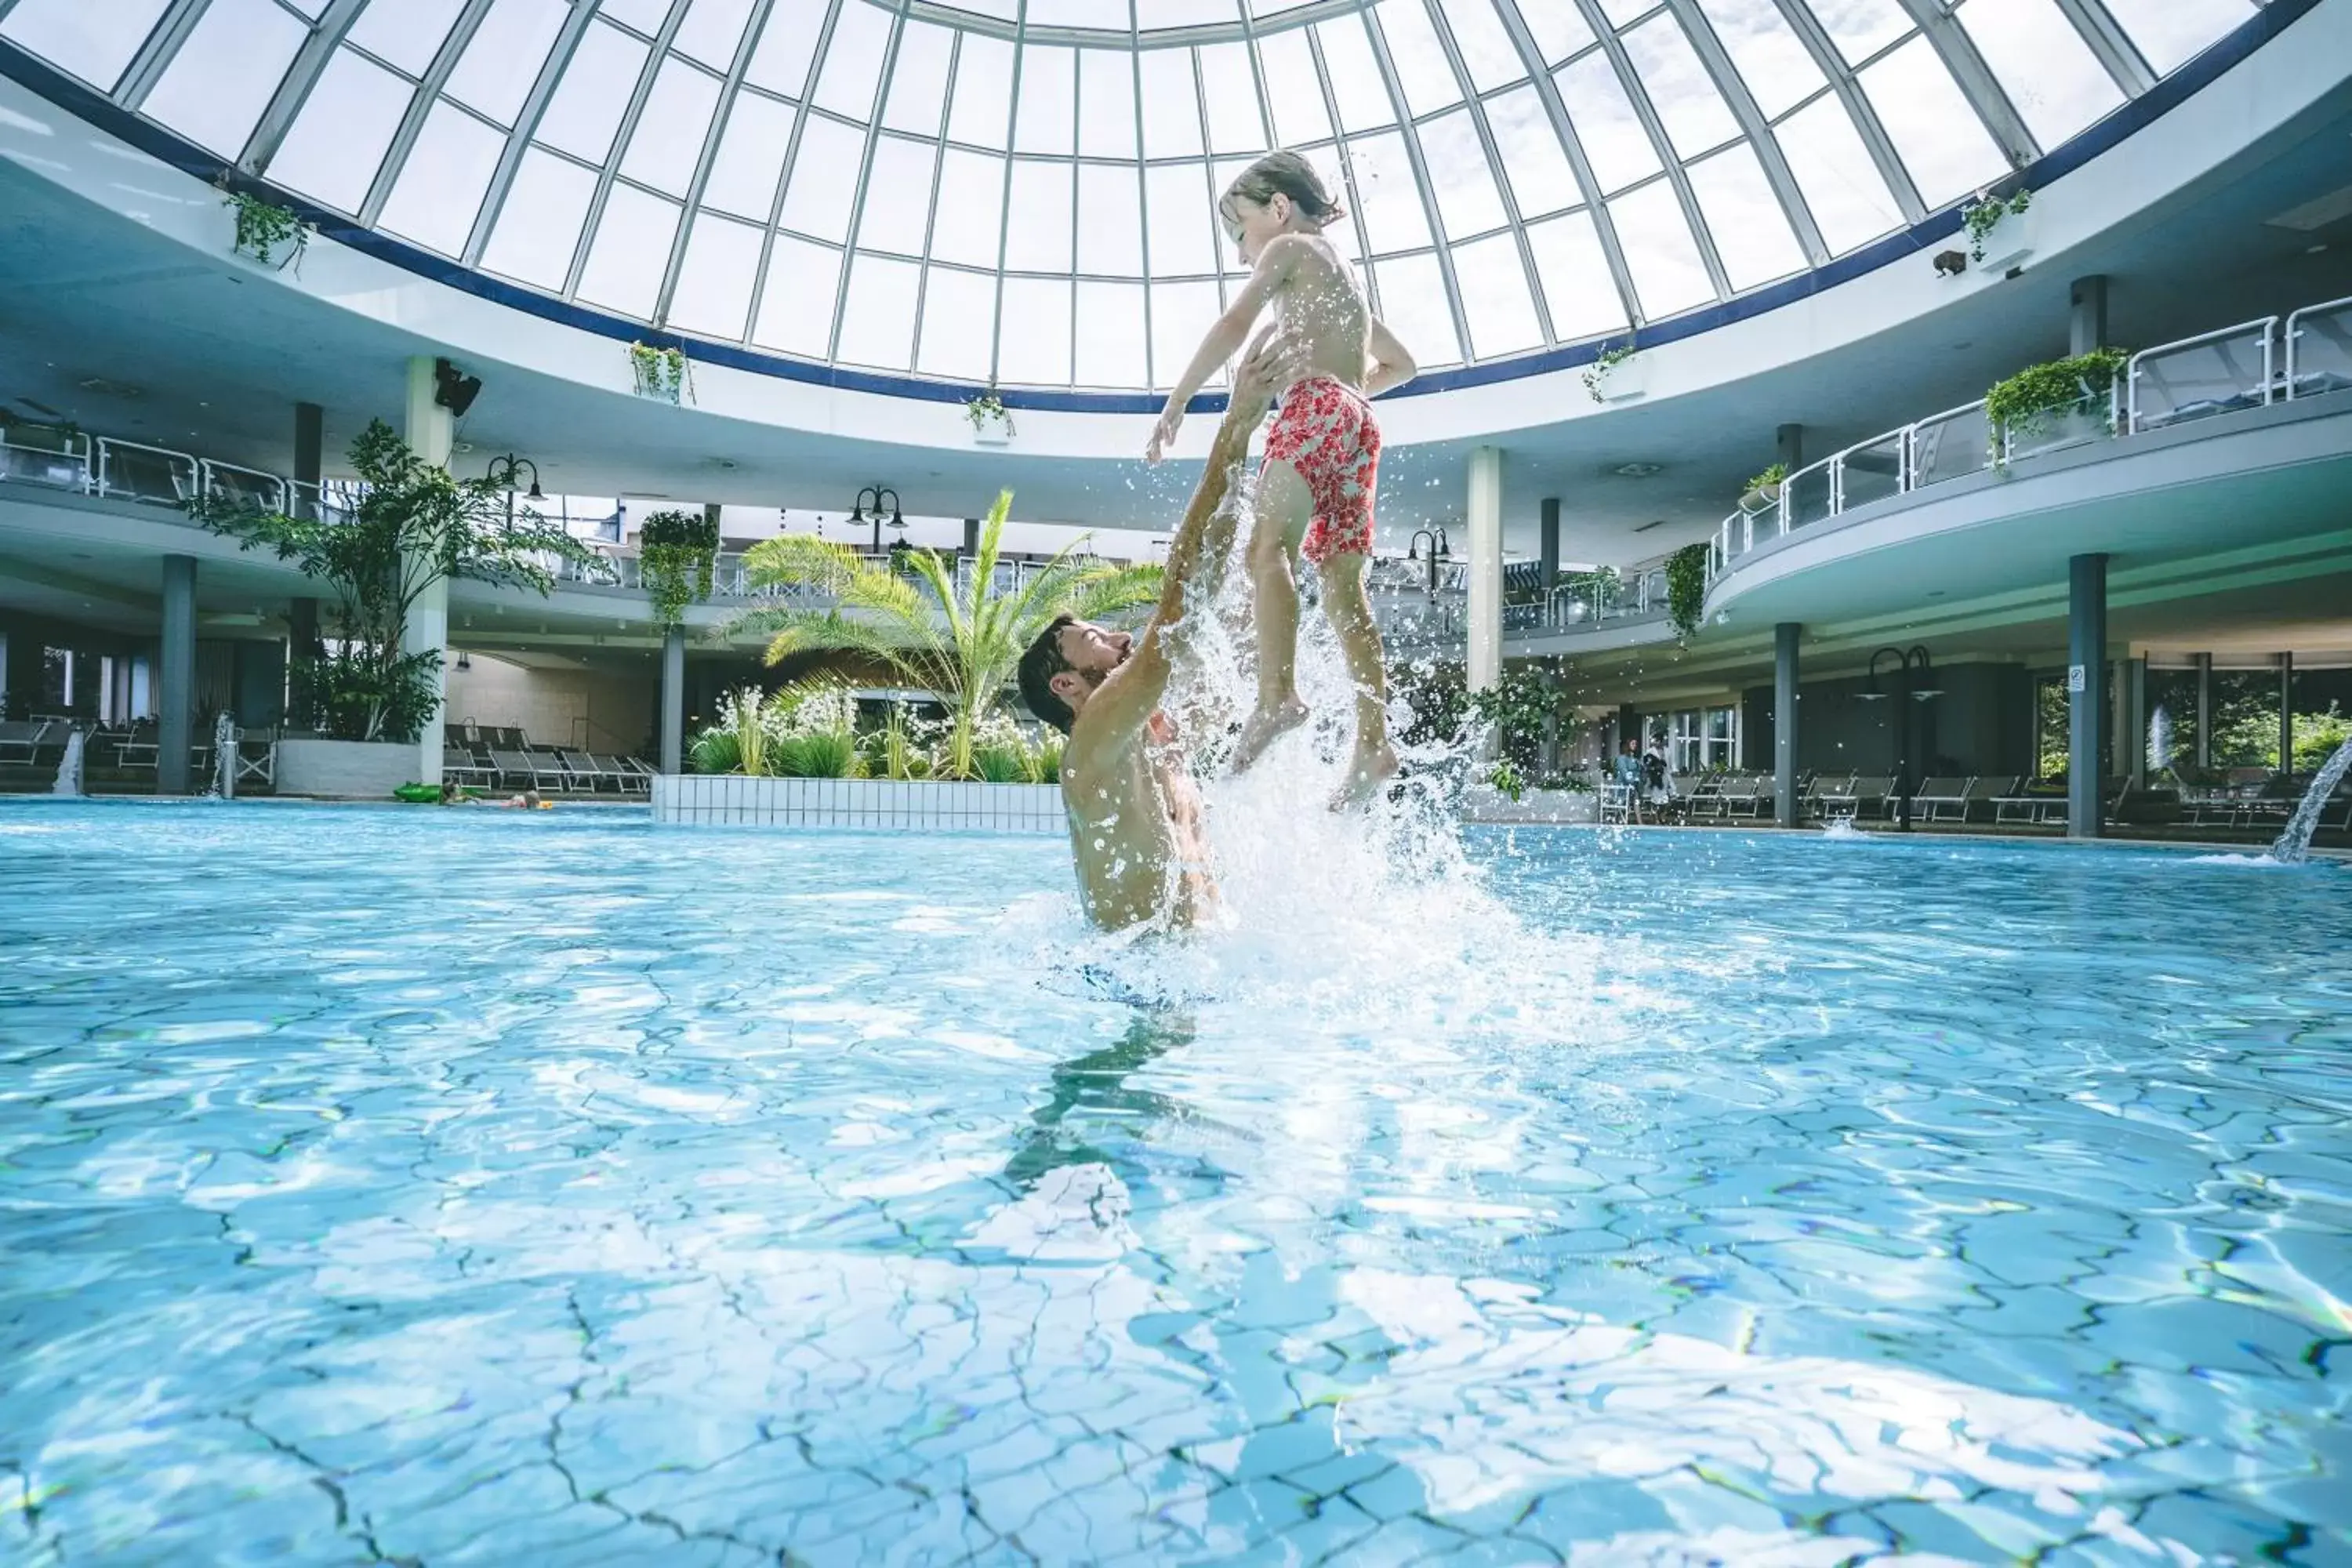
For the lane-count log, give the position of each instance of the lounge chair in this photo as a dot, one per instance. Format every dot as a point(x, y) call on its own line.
point(1745, 795)
point(1813, 801)
point(20, 741)
point(626, 776)
point(1861, 793)
point(1620, 803)
point(1705, 797)
point(524, 769)
point(1936, 796)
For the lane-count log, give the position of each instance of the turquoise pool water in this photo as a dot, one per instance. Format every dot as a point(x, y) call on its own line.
point(475, 1187)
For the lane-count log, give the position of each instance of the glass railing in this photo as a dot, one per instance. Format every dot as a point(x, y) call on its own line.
point(1948, 445)
point(2319, 349)
point(2213, 372)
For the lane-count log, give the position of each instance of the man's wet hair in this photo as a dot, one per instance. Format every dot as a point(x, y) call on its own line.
point(1039, 665)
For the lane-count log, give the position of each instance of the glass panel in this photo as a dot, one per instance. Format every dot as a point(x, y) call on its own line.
point(667, 142)
point(787, 44)
point(540, 224)
point(1105, 104)
point(2170, 32)
point(823, 181)
point(1182, 315)
point(851, 67)
point(959, 323)
point(898, 196)
point(1229, 88)
point(918, 79)
point(440, 188)
point(878, 320)
point(646, 16)
point(714, 282)
point(630, 253)
point(1751, 233)
point(1935, 131)
point(1152, 14)
point(970, 208)
point(796, 305)
point(1038, 233)
point(2043, 63)
point(1843, 188)
point(983, 91)
point(750, 155)
point(1624, 12)
point(1293, 90)
point(1688, 103)
point(711, 32)
point(1034, 340)
point(1413, 304)
point(1048, 99)
point(216, 88)
point(1110, 350)
point(1495, 297)
point(1423, 71)
point(1660, 253)
point(1614, 144)
point(1110, 221)
point(587, 104)
point(1357, 87)
point(332, 152)
point(1389, 199)
point(1183, 237)
point(502, 61)
point(1467, 201)
point(1861, 28)
point(1536, 165)
point(1172, 108)
point(1774, 63)
point(407, 36)
point(1950, 446)
point(2219, 375)
point(1872, 473)
point(1559, 30)
point(2319, 351)
point(1488, 52)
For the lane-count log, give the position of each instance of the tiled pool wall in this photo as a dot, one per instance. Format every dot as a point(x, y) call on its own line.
point(721, 799)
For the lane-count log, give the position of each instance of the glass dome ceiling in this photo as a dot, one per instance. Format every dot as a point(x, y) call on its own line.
point(1024, 190)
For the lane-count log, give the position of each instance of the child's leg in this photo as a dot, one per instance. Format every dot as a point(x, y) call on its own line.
point(1284, 507)
point(1349, 608)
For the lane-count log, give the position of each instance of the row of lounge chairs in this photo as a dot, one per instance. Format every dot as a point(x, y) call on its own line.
point(503, 758)
point(129, 753)
point(1946, 798)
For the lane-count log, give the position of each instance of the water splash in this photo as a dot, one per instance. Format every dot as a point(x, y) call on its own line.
point(69, 781)
point(2159, 741)
point(2293, 846)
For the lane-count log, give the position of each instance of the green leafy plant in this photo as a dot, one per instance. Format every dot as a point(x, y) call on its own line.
point(1517, 706)
point(660, 373)
point(716, 751)
point(1765, 484)
point(411, 526)
point(2025, 403)
point(1596, 374)
point(263, 226)
point(987, 409)
point(1983, 215)
point(819, 754)
point(674, 551)
point(1505, 776)
point(1687, 589)
point(962, 642)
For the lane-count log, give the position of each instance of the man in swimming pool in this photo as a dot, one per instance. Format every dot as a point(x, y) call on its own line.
point(1135, 816)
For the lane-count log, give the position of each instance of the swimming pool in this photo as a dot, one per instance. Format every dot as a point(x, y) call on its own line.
point(554, 1189)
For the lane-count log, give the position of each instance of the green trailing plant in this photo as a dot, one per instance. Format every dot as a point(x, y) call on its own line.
point(1506, 778)
point(987, 409)
point(1687, 589)
point(1766, 484)
point(2025, 403)
point(961, 642)
point(1983, 215)
point(1596, 374)
point(660, 373)
point(263, 227)
point(1516, 707)
point(674, 551)
point(410, 526)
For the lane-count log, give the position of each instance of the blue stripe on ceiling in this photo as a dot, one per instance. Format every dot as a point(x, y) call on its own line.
point(95, 107)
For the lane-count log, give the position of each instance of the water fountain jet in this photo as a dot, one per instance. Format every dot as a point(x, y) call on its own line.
point(68, 780)
point(2293, 846)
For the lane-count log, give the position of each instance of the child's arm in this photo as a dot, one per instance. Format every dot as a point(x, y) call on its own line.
point(1392, 364)
point(1273, 267)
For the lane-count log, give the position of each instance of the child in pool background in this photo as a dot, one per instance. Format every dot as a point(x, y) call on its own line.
point(1316, 488)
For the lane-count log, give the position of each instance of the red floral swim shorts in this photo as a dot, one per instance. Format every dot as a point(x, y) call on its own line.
point(1326, 431)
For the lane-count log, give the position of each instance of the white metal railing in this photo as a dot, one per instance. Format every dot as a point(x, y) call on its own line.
point(2212, 373)
point(2319, 349)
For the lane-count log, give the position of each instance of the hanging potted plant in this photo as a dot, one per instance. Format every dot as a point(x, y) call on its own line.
point(660, 373)
point(674, 554)
point(1617, 374)
point(1764, 489)
point(991, 423)
point(273, 236)
point(1999, 234)
point(1687, 589)
point(2062, 404)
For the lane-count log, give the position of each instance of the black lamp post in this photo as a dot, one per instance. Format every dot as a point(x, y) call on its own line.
point(504, 470)
point(879, 492)
point(1439, 548)
point(1905, 694)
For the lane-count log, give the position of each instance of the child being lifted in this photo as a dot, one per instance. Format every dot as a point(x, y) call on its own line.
point(1322, 455)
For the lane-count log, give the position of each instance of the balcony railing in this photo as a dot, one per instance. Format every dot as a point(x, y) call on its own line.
point(2214, 372)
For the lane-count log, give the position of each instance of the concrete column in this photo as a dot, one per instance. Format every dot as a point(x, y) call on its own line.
point(1784, 722)
point(310, 441)
point(430, 434)
point(2086, 321)
point(2287, 713)
point(2204, 710)
point(1547, 545)
point(2131, 720)
point(1485, 658)
point(2087, 644)
point(176, 707)
point(673, 700)
point(1789, 446)
point(971, 536)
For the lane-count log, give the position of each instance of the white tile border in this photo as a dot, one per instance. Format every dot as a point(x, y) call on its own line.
point(872, 805)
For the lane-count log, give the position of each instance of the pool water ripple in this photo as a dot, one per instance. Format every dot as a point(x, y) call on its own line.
point(467, 1187)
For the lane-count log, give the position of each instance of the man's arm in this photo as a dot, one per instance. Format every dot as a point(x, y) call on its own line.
point(1392, 364)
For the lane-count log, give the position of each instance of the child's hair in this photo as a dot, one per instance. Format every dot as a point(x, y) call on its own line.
point(1285, 174)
